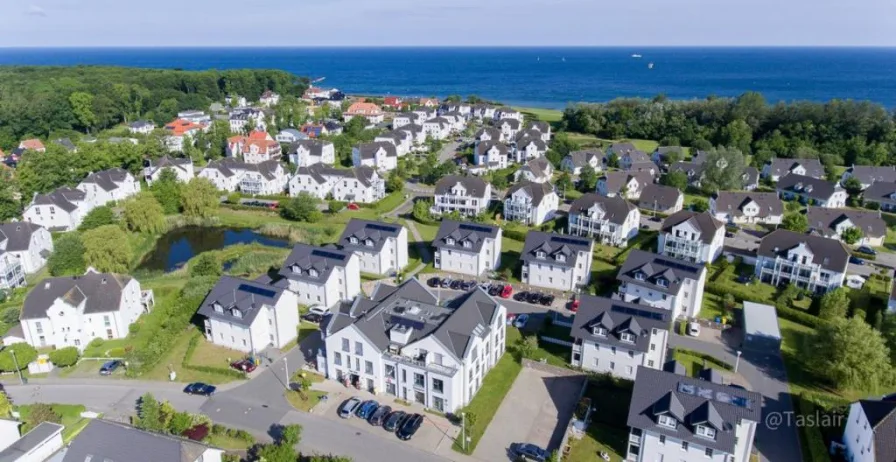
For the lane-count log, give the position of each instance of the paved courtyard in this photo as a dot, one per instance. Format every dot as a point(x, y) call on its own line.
point(536, 410)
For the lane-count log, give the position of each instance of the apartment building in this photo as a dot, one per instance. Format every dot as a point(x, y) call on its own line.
point(692, 236)
point(531, 203)
point(466, 195)
point(322, 275)
point(555, 261)
point(777, 168)
point(662, 282)
point(609, 220)
point(747, 207)
point(870, 432)
point(814, 263)
point(381, 248)
point(811, 191)
point(831, 224)
point(467, 248)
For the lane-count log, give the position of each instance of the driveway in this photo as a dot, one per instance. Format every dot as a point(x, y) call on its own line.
point(536, 410)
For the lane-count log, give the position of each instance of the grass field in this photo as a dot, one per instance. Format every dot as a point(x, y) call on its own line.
point(488, 398)
point(70, 414)
point(547, 115)
point(607, 431)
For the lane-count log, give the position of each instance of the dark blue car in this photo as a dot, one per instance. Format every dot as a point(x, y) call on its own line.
point(109, 367)
point(367, 408)
point(410, 427)
point(199, 388)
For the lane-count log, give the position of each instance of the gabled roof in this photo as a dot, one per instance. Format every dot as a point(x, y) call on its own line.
point(484, 147)
point(616, 180)
point(881, 415)
point(581, 158)
point(313, 264)
point(751, 176)
point(321, 173)
point(236, 295)
point(23, 448)
point(692, 169)
point(659, 197)
point(536, 191)
point(493, 133)
point(167, 161)
point(475, 186)
point(101, 293)
point(618, 317)
point(539, 125)
point(733, 203)
point(107, 179)
point(616, 209)
point(540, 167)
point(780, 167)
point(314, 147)
point(364, 231)
point(880, 191)
point(369, 150)
point(18, 235)
point(658, 272)
point(823, 220)
point(141, 124)
point(868, 174)
point(830, 254)
point(702, 221)
point(512, 123)
point(557, 250)
point(459, 232)
point(64, 198)
point(807, 186)
point(103, 440)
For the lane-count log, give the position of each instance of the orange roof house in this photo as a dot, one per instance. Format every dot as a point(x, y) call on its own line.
point(181, 127)
point(33, 144)
point(364, 109)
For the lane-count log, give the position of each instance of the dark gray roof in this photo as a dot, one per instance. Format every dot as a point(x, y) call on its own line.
point(17, 235)
point(539, 125)
point(539, 167)
point(692, 169)
point(616, 180)
point(691, 401)
point(554, 247)
point(648, 167)
point(173, 162)
point(484, 146)
point(823, 220)
point(228, 167)
point(675, 367)
point(636, 156)
point(475, 186)
point(319, 172)
point(307, 259)
point(663, 150)
point(733, 202)
point(525, 141)
point(829, 253)
point(658, 272)
point(65, 143)
point(369, 150)
point(880, 191)
point(492, 132)
point(103, 440)
point(314, 147)
point(699, 157)
point(616, 209)
point(64, 198)
point(406, 115)
point(364, 231)
point(807, 186)
point(702, 221)
point(751, 176)
point(460, 232)
point(881, 415)
point(107, 179)
point(536, 191)
point(513, 123)
point(868, 174)
point(30, 441)
point(581, 158)
point(659, 197)
point(780, 167)
point(102, 292)
point(332, 125)
point(618, 317)
point(238, 295)
point(621, 148)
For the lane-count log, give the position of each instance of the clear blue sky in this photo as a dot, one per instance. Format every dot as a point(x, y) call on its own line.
point(447, 22)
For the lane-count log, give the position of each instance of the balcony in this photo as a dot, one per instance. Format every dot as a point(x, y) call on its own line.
point(432, 367)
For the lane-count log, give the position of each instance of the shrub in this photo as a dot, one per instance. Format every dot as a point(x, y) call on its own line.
point(65, 357)
point(134, 328)
point(206, 264)
point(41, 412)
point(116, 353)
point(24, 354)
point(96, 343)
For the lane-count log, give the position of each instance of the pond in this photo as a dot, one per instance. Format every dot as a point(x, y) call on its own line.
point(178, 246)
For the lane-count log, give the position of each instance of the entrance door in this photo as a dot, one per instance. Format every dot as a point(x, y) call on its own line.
point(420, 397)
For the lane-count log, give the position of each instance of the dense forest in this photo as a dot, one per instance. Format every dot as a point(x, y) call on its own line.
point(838, 132)
point(47, 102)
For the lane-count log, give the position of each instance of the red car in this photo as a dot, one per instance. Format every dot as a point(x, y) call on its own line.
point(507, 291)
point(574, 304)
point(353, 206)
point(244, 365)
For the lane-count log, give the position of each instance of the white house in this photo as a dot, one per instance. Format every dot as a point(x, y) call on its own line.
point(177, 131)
point(614, 337)
point(28, 244)
point(491, 155)
point(289, 136)
point(437, 128)
point(103, 440)
point(811, 191)
point(776, 168)
point(111, 185)
point(814, 263)
point(674, 417)
point(255, 148)
point(249, 316)
point(404, 343)
point(538, 170)
point(72, 311)
point(305, 153)
point(265, 178)
point(529, 148)
point(662, 282)
point(38, 445)
point(142, 127)
point(484, 111)
point(531, 203)
point(609, 220)
point(269, 98)
point(404, 118)
point(359, 184)
point(182, 168)
point(832, 223)
point(467, 195)
point(321, 275)
point(241, 117)
point(509, 127)
point(870, 430)
point(60, 210)
point(542, 127)
point(379, 155)
point(381, 248)
point(692, 236)
point(747, 207)
point(489, 134)
point(467, 248)
point(503, 113)
point(403, 140)
point(625, 184)
point(659, 198)
point(574, 161)
point(882, 193)
point(555, 261)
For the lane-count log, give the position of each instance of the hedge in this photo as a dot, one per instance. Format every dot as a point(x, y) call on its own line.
point(707, 358)
point(799, 317)
point(191, 348)
point(864, 256)
point(515, 234)
point(65, 357)
point(811, 440)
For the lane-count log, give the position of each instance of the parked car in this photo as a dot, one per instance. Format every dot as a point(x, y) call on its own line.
point(394, 421)
point(455, 285)
point(546, 300)
point(866, 249)
point(367, 409)
point(349, 407)
point(318, 310)
point(574, 304)
point(533, 297)
point(410, 427)
point(353, 206)
point(507, 291)
point(244, 365)
point(313, 317)
point(445, 283)
point(495, 289)
point(694, 329)
point(509, 319)
point(856, 261)
point(529, 452)
point(109, 367)
point(433, 282)
point(521, 321)
point(199, 388)
point(379, 416)
point(467, 285)
point(520, 296)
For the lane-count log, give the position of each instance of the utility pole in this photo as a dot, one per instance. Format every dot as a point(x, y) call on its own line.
point(16, 361)
point(286, 368)
point(463, 429)
point(737, 362)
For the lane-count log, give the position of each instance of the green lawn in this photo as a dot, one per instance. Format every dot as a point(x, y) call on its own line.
point(553, 354)
point(488, 398)
point(304, 330)
point(607, 430)
point(547, 115)
point(227, 442)
point(103, 350)
point(712, 307)
point(173, 361)
point(70, 414)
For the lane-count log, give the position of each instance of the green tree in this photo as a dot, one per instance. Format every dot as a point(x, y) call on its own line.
point(301, 208)
point(564, 182)
point(149, 414)
point(394, 183)
point(67, 258)
point(853, 186)
point(65, 357)
point(276, 452)
point(790, 293)
point(723, 170)
point(9, 207)
point(588, 179)
point(82, 107)
point(562, 145)
point(206, 264)
point(107, 249)
point(796, 222)
point(526, 346)
point(613, 160)
point(200, 198)
point(291, 435)
point(851, 235)
point(421, 211)
point(888, 332)
point(5, 406)
point(24, 354)
point(834, 304)
point(334, 206)
point(737, 134)
point(100, 216)
point(179, 423)
point(42, 412)
point(144, 214)
point(167, 190)
point(678, 180)
point(699, 205)
point(848, 353)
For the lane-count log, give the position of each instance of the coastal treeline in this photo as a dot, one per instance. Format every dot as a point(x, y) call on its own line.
point(45, 101)
point(841, 132)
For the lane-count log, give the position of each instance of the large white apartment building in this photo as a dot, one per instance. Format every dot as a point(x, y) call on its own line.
point(814, 263)
point(403, 342)
point(182, 168)
point(229, 174)
point(615, 337)
point(624, 184)
point(249, 316)
point(60, 210)
point(359, 184)
point(381, 248)
point(305, 153)
point(811, 191)
point(106, 186)
point(467, 195)
point(531, 203)
point(467, 248)
point(24, 249)
point(870, 432)
point(322, 276)
point(747, 207)
point(72, 311)
point(678, 418)
point(692, 236)
point(555, 261)
point(491, 155)
point(379, 155)
point(609, 220)
point(663, 282)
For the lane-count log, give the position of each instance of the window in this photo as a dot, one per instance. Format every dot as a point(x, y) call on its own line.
point(652, 347)
point(418, 380)
point(106, 321)
point(438, 386)
point(650, 363)
point(612, 366)
point(613, 350)
point(627, 337)
point(628, 370)
point(368, 367)
point(244, 342)
point(684, 445)
point(438, 358)
point(345, 345)
point(639, 276)
point(631, 353)
point(662, 439)
point(40, 329)
point(708, 452)
point(667, 421)
point(337, 359)
point(359, 348)
point(706, 432)
point(353, 240)
point(600, 331)
point(404, 376)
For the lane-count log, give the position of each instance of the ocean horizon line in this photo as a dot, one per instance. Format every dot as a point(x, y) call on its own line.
point(455, 47)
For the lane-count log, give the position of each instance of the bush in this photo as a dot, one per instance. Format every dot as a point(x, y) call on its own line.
point(116, 352)
point(96, 343)
point(24, 352)
point(41, 412)
point(65, 357)
point(813, 445)
point(515, 234)
point(134, 328)
point(205, 264)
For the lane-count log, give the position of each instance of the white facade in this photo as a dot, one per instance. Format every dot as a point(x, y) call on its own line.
point(63, 209)
point(798, 268)
point(596, 223)
point(97, 195)
point(457, 198)
point(344, 283)
point(687, 302)
point(306, 155)
point(858, 436)
point(616, 359)
point(654, 446)
point(392, 257)
point(34, 257)
point(182, 168)
point(631, 189)
point(437, 128)
point(549, 274)
point(519, 207)
point(685, 242)
point(273, 326)
point(472, 263)
point(324, 182)
point(491, 156)
point(749, 212)
point(382, 160)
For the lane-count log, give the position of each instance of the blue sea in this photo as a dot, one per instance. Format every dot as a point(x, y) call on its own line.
point(540, 77)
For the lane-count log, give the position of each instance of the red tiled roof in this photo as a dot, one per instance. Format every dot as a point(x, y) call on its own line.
point(363, 109)
point(33, 144)
point(179, 127)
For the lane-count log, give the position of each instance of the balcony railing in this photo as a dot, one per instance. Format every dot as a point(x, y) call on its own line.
point(433, 367)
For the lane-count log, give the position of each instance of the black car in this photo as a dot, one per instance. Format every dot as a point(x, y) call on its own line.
point(446, 283)
point(495, 289)
point(546, 300)
point(394, 421)
point(410, 427)
point(109, 367)
point(520, 296)
point(467, 285)
point(533, 297)
point(199, 388)
point(867, 250)
point(455, 285)
point(433, 282)
point(529, 452)
point(379, 416)
point(313, 317)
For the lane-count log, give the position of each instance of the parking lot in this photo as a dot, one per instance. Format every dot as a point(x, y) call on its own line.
point(535, 411)
point(553, 299)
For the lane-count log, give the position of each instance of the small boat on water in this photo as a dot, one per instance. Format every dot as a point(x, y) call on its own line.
point(650, 66)
point(636, 55)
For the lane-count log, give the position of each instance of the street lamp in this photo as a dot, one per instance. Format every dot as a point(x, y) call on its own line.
point(737, 363)
point(463, 429)
point(286, 369)
point(16, 361)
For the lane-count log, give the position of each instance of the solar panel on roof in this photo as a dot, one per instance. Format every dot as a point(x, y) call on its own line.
point(676, 265)
point(325, 254)
point(570, 241)
point(481, 229)
point(378, 227)
point(257, 291)
point(637, 312)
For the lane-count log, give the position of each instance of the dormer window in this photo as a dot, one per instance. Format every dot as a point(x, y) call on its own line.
point(627, 337)
point(662, 282)
point(449, 241)
point(540, 254)
point(219, 308)
point(667, 421)
point(296, 269)
point(560, 257)
point(236, 313)
point(353, 240)
point(639, 276)
point(368, 242)
point(468, 244)
point(706, 432)
point(600, 331)
point(312, 272)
